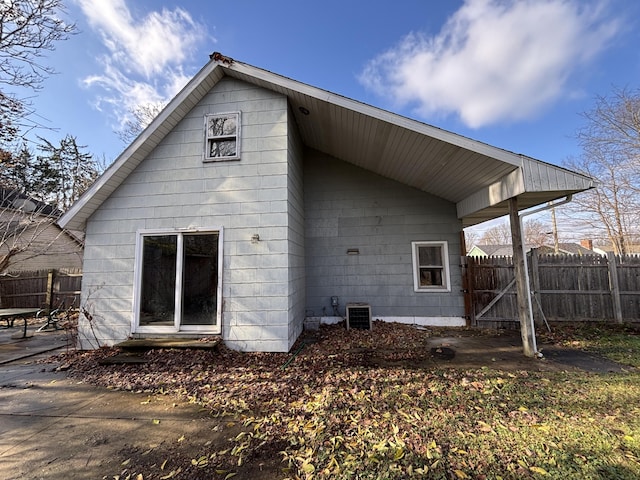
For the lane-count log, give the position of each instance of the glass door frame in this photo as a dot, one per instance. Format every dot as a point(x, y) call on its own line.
point(137, 283)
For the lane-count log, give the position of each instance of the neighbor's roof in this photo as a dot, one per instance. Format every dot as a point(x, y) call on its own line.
point(573, 249)
point(506, 250)
point(495, 250)
point(12, 199)
point(477, 177)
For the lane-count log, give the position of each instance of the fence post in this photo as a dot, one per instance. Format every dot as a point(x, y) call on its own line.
point(471, 270)
point(615, 287)
point(535, 284)
point(49, 295)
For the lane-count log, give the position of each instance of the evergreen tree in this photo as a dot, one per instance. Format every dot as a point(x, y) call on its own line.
point(60, 174)
point(15, 169)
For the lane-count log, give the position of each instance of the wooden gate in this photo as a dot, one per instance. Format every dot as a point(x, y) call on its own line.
point(490, 292)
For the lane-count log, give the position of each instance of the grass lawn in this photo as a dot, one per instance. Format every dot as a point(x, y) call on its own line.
point(327, 414)
point(620, 343)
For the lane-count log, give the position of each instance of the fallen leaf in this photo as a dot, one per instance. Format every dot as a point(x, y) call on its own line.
point(539, 470)
point(172, 474)
point(308, 467)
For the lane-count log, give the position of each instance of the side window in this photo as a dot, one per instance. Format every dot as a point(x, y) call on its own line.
point(222, 133)
point(430, 267)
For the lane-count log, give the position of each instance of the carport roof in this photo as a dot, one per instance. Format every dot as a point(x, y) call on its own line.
point(477, 177)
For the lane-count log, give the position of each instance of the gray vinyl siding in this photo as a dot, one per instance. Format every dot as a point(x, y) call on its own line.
point(174, 189)
point(296, 237)
point(348, 207)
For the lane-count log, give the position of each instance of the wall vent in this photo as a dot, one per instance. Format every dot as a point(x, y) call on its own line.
point(359, 316)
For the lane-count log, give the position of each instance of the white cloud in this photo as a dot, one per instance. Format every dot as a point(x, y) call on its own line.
point(494, 60)
point(145, 56)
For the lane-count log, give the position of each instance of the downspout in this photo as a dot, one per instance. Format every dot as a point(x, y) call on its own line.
point(567, 199)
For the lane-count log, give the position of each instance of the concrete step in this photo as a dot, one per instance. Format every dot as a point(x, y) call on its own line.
point(137, 344)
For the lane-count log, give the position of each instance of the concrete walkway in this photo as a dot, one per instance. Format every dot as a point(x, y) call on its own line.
point(13, 346)
point(52, 427)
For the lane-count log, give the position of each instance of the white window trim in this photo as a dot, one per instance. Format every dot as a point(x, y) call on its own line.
point(206, 156)
point(446, 287)
point(137, 280)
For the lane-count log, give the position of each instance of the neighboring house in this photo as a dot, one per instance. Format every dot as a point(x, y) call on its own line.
point(631, 249)
point(491, 251)
point(30, 239)
point(254, 201)
point(507, 250)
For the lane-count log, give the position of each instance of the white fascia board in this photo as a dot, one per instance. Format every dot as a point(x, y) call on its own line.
point(510, 185)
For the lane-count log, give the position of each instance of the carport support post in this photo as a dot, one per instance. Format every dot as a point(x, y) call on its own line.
point(522, 291)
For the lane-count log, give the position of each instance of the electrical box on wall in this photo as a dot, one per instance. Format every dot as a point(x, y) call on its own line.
point(359, 316)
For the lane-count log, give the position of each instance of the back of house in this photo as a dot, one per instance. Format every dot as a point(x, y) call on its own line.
point(254, 203)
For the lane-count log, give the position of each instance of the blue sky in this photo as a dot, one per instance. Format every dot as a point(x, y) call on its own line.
point(514, 74)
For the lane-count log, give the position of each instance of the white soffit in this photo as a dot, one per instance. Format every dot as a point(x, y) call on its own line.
point(474, 175)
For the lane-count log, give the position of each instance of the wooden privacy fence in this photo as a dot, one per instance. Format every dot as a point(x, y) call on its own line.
point(43, 288)
point(564, 288)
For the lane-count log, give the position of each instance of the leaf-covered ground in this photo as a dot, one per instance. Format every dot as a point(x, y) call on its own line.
point(374, 405)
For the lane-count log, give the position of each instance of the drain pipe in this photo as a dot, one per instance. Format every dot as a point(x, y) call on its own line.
point(550, 205)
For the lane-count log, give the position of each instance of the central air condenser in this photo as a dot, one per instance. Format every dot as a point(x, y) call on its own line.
point(359, 316)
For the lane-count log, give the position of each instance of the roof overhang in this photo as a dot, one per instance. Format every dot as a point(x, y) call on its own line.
point(477, 177)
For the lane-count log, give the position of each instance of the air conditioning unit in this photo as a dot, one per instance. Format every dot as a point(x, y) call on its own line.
point(359, 316)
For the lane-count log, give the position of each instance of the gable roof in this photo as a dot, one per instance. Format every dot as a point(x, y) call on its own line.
point(478, 177)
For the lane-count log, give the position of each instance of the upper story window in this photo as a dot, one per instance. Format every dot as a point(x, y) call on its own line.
point(222, 136)
point(430, 267)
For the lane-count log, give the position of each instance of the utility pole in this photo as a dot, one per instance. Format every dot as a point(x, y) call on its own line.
point(556, 244)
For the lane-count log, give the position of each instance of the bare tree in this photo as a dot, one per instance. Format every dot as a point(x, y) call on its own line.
point(28, 28)
point(610, 142)
point(536, 234)
point(143, 115)
point(471, 238)
point(499, 234)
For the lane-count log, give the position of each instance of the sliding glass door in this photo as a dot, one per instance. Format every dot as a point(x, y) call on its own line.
point(179, 282)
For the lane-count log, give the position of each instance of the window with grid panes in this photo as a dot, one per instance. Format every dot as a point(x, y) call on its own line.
point(430, 266)
point(222, 136)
